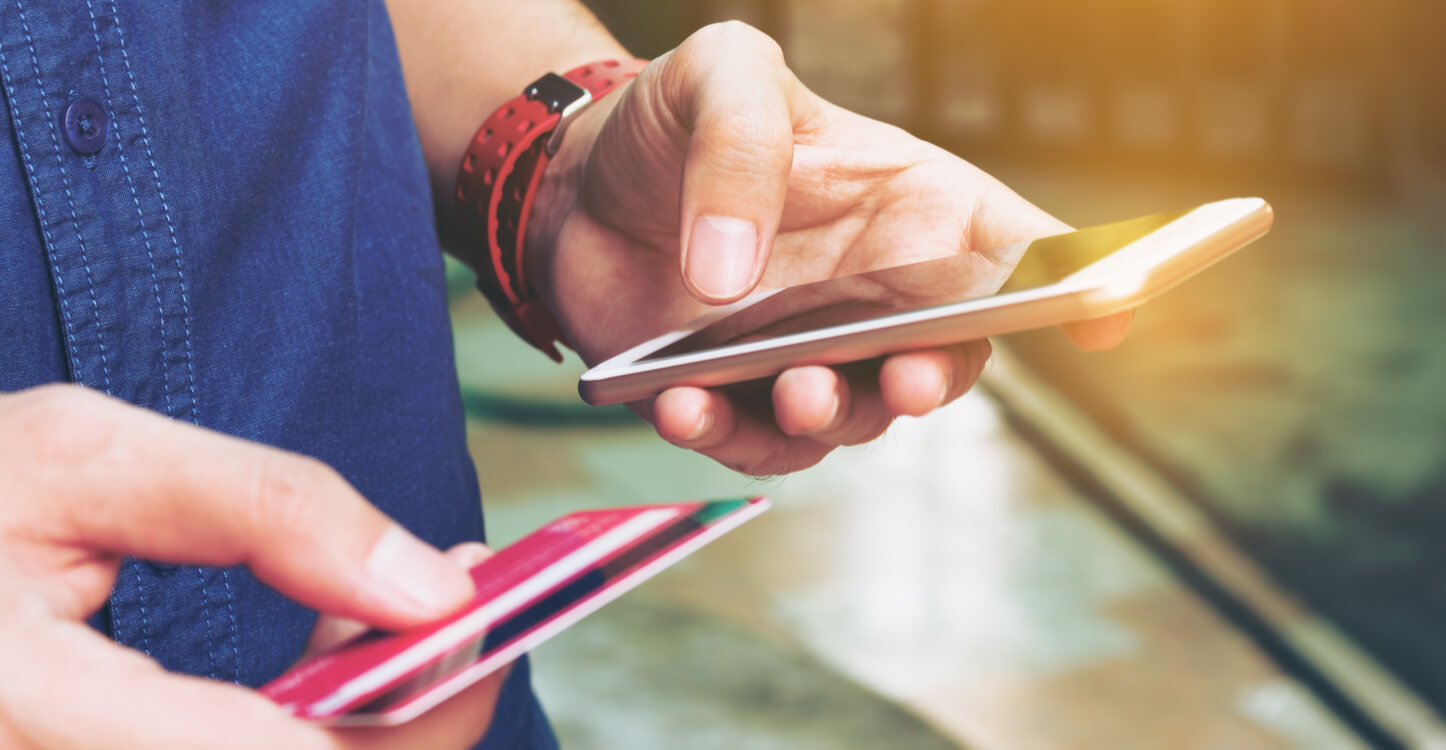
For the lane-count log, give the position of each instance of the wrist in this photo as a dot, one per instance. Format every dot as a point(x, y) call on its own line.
point(501, 176)
point(448, 131)
point(560, 191)
point(454, 128)
point(462, 61)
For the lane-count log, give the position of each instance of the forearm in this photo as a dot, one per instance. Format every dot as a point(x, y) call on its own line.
point(463, 58)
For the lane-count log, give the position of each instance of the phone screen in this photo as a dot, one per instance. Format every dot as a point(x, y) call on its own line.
point(917, 286)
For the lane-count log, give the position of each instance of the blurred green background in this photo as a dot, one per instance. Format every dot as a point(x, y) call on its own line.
point(1296, 395)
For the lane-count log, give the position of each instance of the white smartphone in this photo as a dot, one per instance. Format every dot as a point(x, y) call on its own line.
point(1081, 275)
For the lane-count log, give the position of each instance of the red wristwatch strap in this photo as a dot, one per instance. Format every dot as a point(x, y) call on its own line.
point(496, 186)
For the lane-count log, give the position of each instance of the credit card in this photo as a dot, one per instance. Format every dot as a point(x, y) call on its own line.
point(526, 593)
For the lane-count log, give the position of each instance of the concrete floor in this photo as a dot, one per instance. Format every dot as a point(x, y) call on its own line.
point(941, 588)
point(1295, 391)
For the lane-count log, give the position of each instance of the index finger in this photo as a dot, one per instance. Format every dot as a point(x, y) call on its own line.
point(121, 480)
point(1002, 217)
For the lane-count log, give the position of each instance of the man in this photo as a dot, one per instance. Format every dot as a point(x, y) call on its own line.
point(220, 213)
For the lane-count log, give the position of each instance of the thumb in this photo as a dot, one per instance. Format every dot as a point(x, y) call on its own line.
point(728, 87)
point(331, 630)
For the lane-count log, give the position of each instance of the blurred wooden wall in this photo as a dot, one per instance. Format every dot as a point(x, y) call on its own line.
point(1348, 88)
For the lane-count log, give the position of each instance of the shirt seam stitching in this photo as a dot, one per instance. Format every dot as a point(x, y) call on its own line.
point(194, 409)
point(39, 198)
point(69, 194)
point(166, 214)
point(140, 213)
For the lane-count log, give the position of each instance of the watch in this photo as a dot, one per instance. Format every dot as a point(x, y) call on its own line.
point(498, 182)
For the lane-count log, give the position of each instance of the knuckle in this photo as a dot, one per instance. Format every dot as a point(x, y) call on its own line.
point(51, 401)
point(746, 141)
point(737, 37)
point(748, 127)
point(285, 489)
point(59, 424)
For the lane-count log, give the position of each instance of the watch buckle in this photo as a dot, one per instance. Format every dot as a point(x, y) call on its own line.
point(560, 96)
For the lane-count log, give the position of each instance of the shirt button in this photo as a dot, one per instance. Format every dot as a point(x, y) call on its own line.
point(86, 125)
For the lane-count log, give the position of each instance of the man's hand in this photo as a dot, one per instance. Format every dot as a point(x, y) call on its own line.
point(717, 172)
point(86, 480)
point(713, 173)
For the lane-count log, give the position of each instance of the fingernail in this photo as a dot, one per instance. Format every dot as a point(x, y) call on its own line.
point(468, 554)
point(722, 254)
point(700, 428)
point(835, 411)
point(946, 384)
point(416, 576)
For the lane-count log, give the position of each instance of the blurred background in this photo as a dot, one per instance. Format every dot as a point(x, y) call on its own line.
point(1224, 534)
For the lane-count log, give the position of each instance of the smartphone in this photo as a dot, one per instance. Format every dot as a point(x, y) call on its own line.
point(1090, 273)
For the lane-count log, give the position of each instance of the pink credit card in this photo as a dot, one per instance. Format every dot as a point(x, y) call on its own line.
point(526, 593)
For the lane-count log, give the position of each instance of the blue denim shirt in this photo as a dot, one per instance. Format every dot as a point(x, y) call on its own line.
point(252, 249)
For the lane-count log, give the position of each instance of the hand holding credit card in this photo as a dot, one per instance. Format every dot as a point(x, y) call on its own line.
point(526, 593)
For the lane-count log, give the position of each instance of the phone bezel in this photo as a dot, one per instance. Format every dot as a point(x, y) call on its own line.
point(1124, 279)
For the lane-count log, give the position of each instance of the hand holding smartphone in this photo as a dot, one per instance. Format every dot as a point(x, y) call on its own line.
point(1077, 276)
